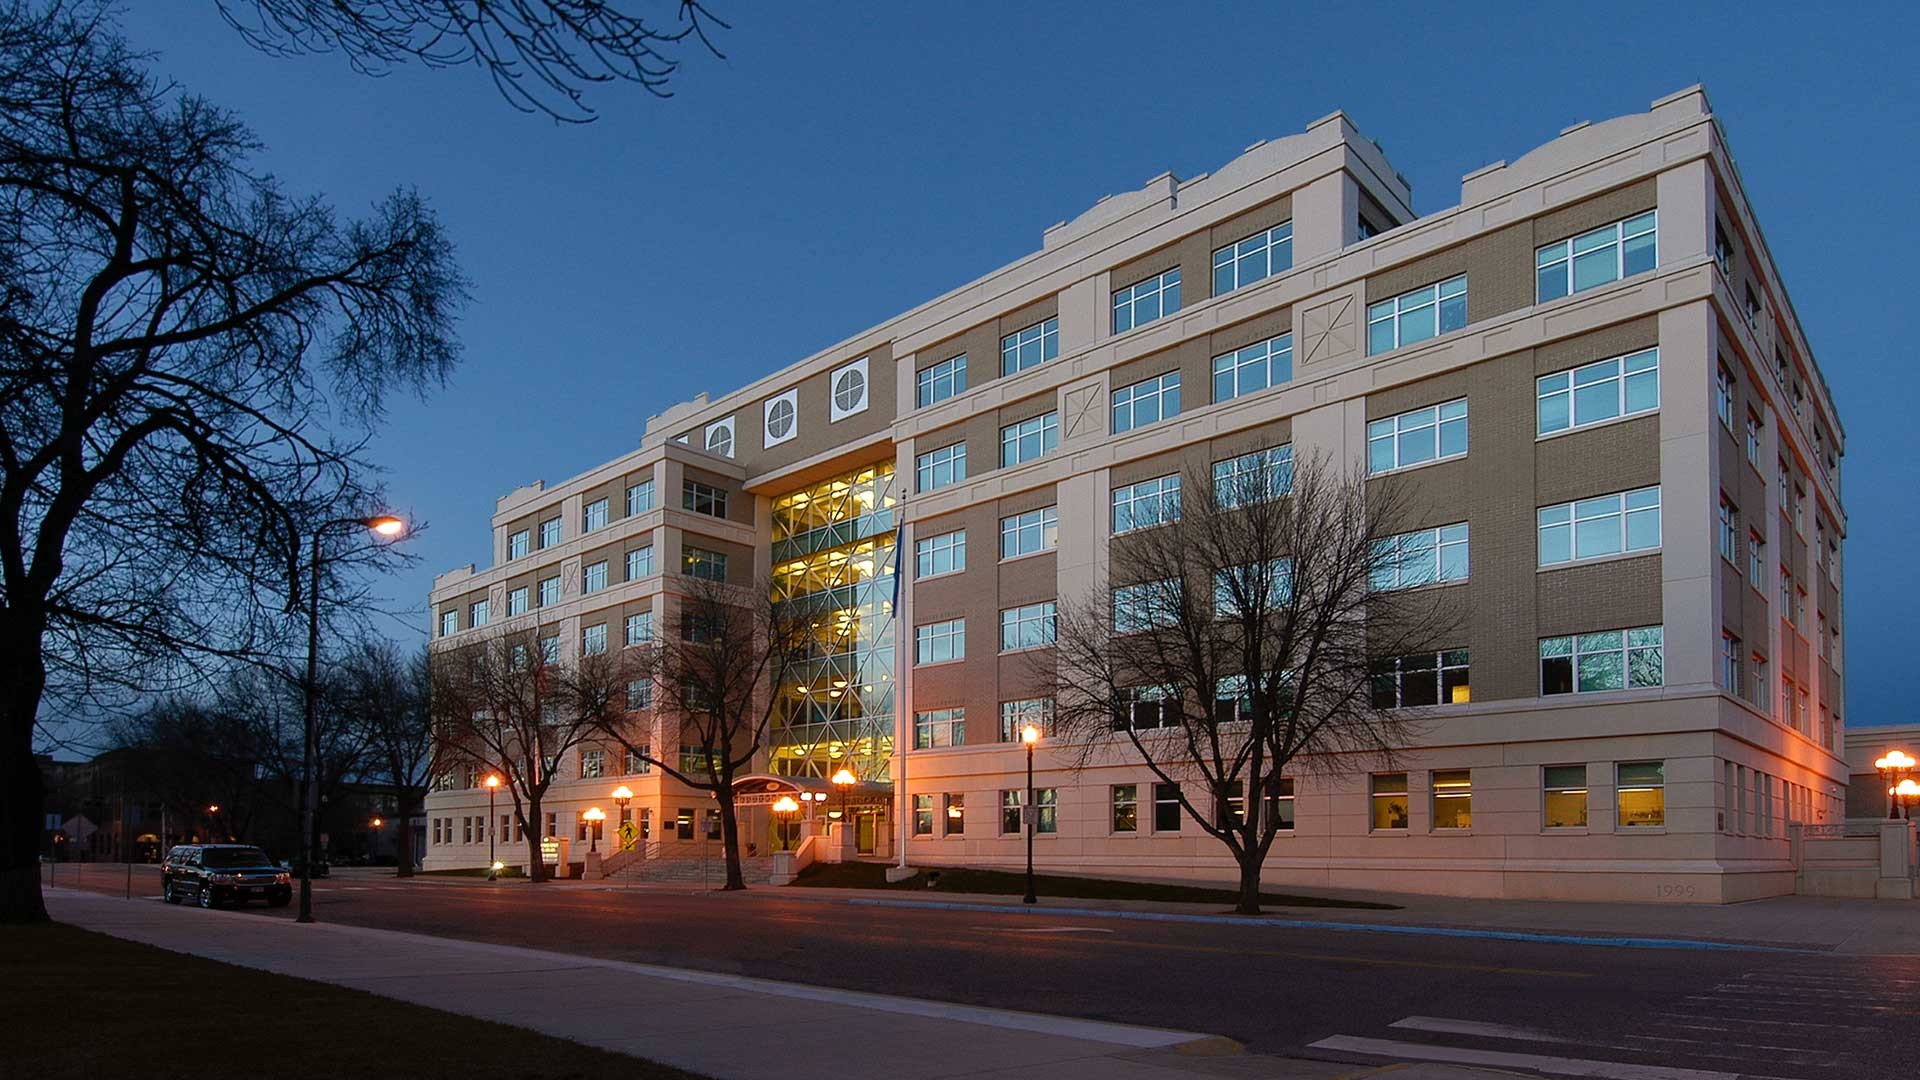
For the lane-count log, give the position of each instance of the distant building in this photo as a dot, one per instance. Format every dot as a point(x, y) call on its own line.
point(1589, 369)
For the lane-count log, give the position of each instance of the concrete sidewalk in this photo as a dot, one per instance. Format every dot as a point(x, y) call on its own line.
point(1822, 924)
point(724, 1026)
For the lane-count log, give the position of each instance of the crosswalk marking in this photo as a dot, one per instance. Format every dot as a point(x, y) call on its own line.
point(1475, 1027)
point(1557, 1066)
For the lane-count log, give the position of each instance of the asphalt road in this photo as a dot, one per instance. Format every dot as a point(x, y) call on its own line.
point(1313, 992)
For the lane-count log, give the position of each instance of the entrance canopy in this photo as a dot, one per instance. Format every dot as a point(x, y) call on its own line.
point(762, 790)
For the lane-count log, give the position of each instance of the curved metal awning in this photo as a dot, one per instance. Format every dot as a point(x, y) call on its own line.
point(764, 788)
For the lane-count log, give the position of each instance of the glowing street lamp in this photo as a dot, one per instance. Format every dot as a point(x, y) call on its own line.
point(1893, 769)
point(1907, 792)
point(623, 795)
point(1030, 735)
point(785, 808)
point(594, 816)
point(844, 780)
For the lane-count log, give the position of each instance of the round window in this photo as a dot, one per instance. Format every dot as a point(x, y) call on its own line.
point(720, 440)
point(780, 419)
point(849, 390)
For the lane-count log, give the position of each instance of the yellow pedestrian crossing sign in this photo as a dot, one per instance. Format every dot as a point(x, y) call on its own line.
point(628, 834)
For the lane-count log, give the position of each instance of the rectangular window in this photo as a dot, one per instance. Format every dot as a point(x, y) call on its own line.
point(1145, 606)
point(449, 622)
point(549, 533)
point(1389, 798)
point(640, 563)
point(937, 643)
point(639, 628)
point(1030, 347)
point(1609, 253)
point(942, 554)
point(1010, 817)
point(936, 469)
point(1564, 796)
point(519, 544)
point(550, 591)
point(593, 639)
point(701, 563)
point(1029, 438)
point(923, 815)
point(1760, 684)
point(466, 830)
point(1753, 438)
point(1723, 397)
point(1147, 503)
point(941, 381)
point(939, 727)
point(1254, 368)
point(1126, 808)
point(1616, 524)
point(1417, 315)
point(478, 613)
point(1732, 653)
point(1016, 715)
point(593, 516)
point(1756, 561)
point(1434, 433)
point(1453, 799)
point(1030, 532)
point(639, 696)
point(703, 499)
point(1595, 393)
point(1722, 248)
point(1048, 801)
point(1641, 794)
point(593, 577)
point(1251, 478)
point(640, 498)
point(1280, 804)
point(1252, 259)
point(713, 825)
point(1606, 660)
point(1028, 627)
point(517, 601)
point(1435, 678)
point(956, 813)
point(683, 824)
point(592, 764)
point(1427, 557)
point(1145, 301)
point(1729, 531)
point(1166, 808)
point(1143, 708)
point(1146, 402)
point(1253, 589)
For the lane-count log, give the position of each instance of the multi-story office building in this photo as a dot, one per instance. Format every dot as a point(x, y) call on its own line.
point(1588, 367)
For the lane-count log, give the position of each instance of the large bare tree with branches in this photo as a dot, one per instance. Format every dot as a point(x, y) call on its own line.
point(541, 54)
point(175, 330)
point(507, 704)
point(383, 694)
point(714, 677)
point(1237, 641)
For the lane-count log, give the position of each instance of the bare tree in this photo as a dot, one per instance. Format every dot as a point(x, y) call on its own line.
point(174, 330)
point(541, 54)
point(189, 756)
point(1237, 642)
point(715, 675)
point(384, 695)
point(507, 704)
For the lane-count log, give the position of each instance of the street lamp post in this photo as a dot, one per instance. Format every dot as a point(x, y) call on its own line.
point(1030, 811)
point(1907, 792)
point(593, 817)
point(844, 780)
point(623, 795)
point(784, 808)
point(384, 525)
point(493, 784)
point(1893, 769)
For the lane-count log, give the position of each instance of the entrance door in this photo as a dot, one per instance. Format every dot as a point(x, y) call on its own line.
point(865, 829)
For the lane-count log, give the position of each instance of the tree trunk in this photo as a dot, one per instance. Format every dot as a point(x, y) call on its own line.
point(22, 791)
point(536, 870)
point(1249, 903)
point(407, 803)
point(730, 838)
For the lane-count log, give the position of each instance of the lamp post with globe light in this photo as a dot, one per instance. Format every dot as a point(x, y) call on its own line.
point(1894, 768)
point(1031, 810)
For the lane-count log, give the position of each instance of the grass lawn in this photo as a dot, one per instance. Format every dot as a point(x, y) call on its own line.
point(81, 1004)
point(864, 875)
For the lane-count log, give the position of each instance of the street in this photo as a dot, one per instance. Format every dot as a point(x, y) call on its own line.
point(1303, 992)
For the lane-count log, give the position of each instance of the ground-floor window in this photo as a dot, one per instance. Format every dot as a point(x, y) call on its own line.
point(1453, 799)
point(1389, 801)
point(1010, 811)
point(1048, 800)
point(1641, 793)
point(923, 815)
point(1280, 804)
point(1126, 808)
point(1563, 796)
point(683, 824)
point(713, 824)
point(1166, 808)
point(646, 823)
point(1230, 806)
point(956, 813)
point(553, 823)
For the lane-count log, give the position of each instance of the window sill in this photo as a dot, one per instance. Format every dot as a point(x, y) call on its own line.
point(1594, 560)
point(1026, 649)
point(939, 663)
point(1387, 832)
point(939, 576)
point(1398, 469)
point(1595, 425)
point(1564, 830)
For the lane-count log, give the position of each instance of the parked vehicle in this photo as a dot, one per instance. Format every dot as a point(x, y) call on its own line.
point(214, 875)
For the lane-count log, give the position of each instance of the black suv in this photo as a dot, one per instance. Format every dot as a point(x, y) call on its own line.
point(217, 874)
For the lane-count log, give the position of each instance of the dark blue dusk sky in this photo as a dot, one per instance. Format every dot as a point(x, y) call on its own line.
point(846, 163)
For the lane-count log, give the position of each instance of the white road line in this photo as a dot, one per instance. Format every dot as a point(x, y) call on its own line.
point(1475, 1027)
point(1556, 1066)
point(1721, 1044)
point(1047, 930)
point(1748, 1020)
